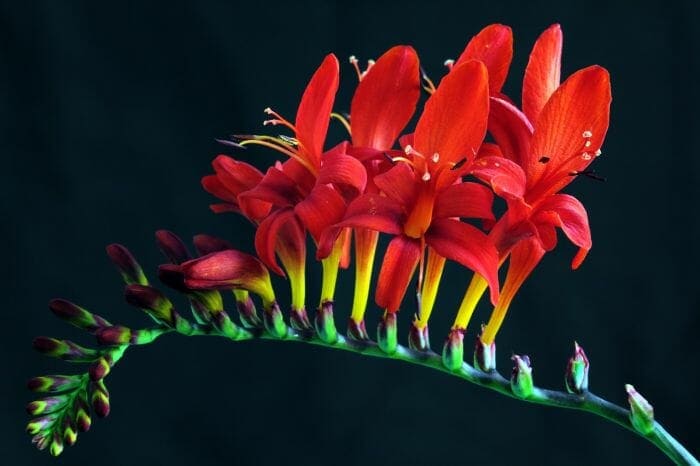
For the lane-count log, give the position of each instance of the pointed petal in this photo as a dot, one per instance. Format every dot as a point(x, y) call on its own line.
point(226, 270)
point(314, 113)
point(323, 207)
point(371, 211)
point(505, 177)
point(468, 246)
point(269, 233)
point(570, 130)
point(400, 260)
point(385, 99)
point(511, 130)
point(399, 184)
point(238, 177)
point(206, 244)
point(567, 212)
point(543, 72)
point(493, 46)
point(275, 188)
point(466, 200)
point(454, 119)
point(343, 171)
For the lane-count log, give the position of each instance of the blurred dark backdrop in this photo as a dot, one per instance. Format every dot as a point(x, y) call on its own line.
point(108, 114)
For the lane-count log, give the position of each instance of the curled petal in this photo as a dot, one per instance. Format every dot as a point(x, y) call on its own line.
point(343, 171)
point(385, 99)
point(313, 115)
point(454, 119)
point(493, 46)
point(567, 213)
point(276, 188)
point(323, 207)
point(235, 175)
point(467, 245)
point(511, 130)
point(505, 177)
point(400, 260)
point(399, 184)
point(543, 72)
point(227, 270)
point(570, 130)
point(466, 200)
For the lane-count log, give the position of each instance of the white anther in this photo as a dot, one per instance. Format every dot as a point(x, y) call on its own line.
point(598, 152)
point(588, 144)
point(408, 149)
point(425, 177)
point(587, 134)
point(586, 156)
point(353, 59)
point(435, 158)
point(268, 110)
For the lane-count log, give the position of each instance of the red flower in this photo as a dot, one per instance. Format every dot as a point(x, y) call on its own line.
point(420, 198)
point(557, 136)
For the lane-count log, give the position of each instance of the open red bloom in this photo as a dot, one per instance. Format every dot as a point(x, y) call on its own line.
point(421, 196)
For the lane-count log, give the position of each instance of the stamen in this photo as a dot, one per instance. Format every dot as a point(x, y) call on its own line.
point(409, 150)
point(589, 174)
point(588, 144)
point(277, 120)
point(598, 152)
point(586, 156)
point(343, 120)
point(429, 85)
point(587, 134)
point(425, 177)
point(435, 158)
point(449, 63)
point(227, 142)
point(355, 63)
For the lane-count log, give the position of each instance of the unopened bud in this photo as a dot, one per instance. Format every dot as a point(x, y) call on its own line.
point(82, 413)
point(171, 276)
point(325, 324)
point(64, 349)
point(521, 379)
point(418, 337)
point(641, 411)
point(47, 405)
point(357, 330)
point(100, 398)
point(76, 315)
point(70, 434)
point(223, 323)
point(53, 383)
point(485, 355)
point(576, 378)
point(274, 321)
point(453, 350)
point(206, 244)
point(151, 301)
point(99, 369)
point(56, 447)
point(114, 335)
point(172, 246)
point(386, 333)
point(130, 270)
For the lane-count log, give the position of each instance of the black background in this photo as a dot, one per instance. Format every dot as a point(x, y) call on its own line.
point(108, 114)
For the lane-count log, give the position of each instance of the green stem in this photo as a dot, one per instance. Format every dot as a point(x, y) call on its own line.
point(492, 380)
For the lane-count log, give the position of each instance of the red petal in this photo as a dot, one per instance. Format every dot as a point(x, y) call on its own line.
point(400, 260)
point(568, 213)
point(370, 211)
point(276, 188)
point(213, 185)
point(225, 270)
point(454, 120)
point(313, 115)
point(505, 177)
point(399, 184)
point(493, 46)
point(343, 171)
point(467, 245)
point(466, 200)
point(511, 130)
point(543, 72)
point(523, 259)
point(580, 106)
point(323, 207)
point(236, 176)
point(385, 99)
point(268, 234)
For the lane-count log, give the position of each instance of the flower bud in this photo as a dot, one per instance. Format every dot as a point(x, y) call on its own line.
point(130, 270)
point(274, 322)
point(100, 398)
point(171, 276)
point(357, 330)
point(172, 246)
point(206, 244)
point(521, 379)
point(151, 301)
point(576, 378)
point(641, 411)
point(82, 413)
point(53, 383)
point(47, 405)
point(453, 350)
point(485, 355)
point(76, 315)
point(223, 323)
point(114, 335)
point(386, 333)
point(325, 323)
point(99, 369)
point(70, 434)
point(56, 447)
point(64, 349)
point(418, 338)
point(35, 426)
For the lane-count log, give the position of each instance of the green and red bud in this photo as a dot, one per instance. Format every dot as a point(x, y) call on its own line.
point(76, 315)
point(299, 319)
point(521, 382)
point(246, 309)
point(100, 368)
point(641, 411)
point(152, 302)
point(64, 349)
point(129, 269)
point(387, 333)
point(82, 413)
point(453, 350)
point(40, 424)
point(54, 383)
point(325, 323)
point(274, 321)
point(100, 398)
point(418, 337)
point(56, 447)
point(485, 355)
point(172, 247)
point(70, 434)
point(47, 405)
point(226, 327)
point(576, 378)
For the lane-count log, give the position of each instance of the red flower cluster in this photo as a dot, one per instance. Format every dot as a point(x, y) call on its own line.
point(422, 193)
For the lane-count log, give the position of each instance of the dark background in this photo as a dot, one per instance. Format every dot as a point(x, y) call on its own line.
point(108, 114)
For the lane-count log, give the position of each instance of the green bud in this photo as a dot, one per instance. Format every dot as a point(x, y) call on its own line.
point(453, 350)
point(386, 333)
point(641, 411)
point(76, 315)
point(54, 383)
point(56, 447)
point(70, 434)
point(325, 323)
point(223, 323)
point(274, 322)
point(82, 412)
point(521, 379)
point(576, 378)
